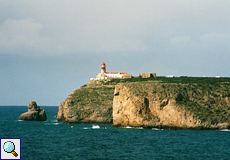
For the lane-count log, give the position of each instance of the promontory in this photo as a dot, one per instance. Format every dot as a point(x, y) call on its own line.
point(157, 102)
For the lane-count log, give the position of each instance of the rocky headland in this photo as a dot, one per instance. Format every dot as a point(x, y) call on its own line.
point(176, 103)
point(172, 105)
point(35, 113)
point(92, 103)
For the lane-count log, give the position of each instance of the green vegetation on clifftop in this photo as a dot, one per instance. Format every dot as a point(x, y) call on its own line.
point(207, 80)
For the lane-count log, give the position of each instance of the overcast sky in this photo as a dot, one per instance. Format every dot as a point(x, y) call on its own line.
point(48, 48)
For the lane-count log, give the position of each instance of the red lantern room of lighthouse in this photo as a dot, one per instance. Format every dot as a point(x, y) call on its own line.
point(103, 70)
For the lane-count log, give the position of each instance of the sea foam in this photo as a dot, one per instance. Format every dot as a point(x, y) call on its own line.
point(95, 127)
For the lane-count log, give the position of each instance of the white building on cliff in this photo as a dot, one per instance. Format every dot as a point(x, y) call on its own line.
point(107, 75)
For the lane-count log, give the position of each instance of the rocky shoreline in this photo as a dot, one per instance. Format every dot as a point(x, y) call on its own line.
point(91, 103)
point(152, 103)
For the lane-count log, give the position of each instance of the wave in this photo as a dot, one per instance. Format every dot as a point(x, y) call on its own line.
point(224, 130)
point(95, 127)
point(98, 127)
point(156, 129)
point(129, 127)
point(48, 123)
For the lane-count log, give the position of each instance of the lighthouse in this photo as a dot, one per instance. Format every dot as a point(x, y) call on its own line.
point(108, 75)
point(103, 70)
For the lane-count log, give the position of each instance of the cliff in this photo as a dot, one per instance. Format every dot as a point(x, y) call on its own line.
point(90, 103)
point(176, 104)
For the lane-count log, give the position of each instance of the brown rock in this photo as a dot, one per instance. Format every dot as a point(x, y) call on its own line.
point(169, 106)
point(35, 113)
point(88, 104)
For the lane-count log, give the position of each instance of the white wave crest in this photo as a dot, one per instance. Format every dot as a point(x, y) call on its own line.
point(156, 129)
point(48, 123)
point(98, 127)
point(95, 127)
point(128, 127)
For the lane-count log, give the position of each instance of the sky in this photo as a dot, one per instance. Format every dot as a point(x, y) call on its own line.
point(50, 48)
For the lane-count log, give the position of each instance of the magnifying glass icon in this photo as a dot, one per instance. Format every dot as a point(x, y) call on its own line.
point(9, 147)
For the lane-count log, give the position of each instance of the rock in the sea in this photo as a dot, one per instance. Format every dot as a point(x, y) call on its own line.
point(35, 113)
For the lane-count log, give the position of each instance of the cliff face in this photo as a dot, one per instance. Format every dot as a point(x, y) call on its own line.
point(91, 103)
point(196, 103)
point(172, 105)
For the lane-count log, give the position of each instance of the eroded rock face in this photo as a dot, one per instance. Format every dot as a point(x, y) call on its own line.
point(181, 106)
point(35, 113)
point(88, 104)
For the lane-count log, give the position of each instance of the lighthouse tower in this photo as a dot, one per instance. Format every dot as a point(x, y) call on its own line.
point(108, 75)
point(103, 70)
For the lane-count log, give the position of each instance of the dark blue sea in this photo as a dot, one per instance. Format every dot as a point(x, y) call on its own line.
point(53, 140)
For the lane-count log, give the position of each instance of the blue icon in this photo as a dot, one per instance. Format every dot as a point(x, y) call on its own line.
point(9, 147)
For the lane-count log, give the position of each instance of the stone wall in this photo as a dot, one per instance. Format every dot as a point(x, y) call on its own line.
point(148, 75)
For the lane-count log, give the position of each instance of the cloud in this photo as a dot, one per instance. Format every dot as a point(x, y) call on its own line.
point(213, 39)
point(26, 36)
point(89, 27)
point(22, 37)
point(180, 40)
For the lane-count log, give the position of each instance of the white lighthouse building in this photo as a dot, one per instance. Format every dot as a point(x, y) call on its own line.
point(107, 75)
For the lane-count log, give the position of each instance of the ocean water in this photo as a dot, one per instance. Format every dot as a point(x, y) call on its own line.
point(53, 140)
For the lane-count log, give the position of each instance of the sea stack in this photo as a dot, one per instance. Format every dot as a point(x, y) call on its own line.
point(35, 113)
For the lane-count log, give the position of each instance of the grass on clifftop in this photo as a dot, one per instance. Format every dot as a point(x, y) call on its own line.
point(207, 80)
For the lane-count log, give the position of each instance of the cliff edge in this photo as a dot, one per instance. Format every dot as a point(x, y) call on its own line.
point(202, 105)
point(91, 103)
